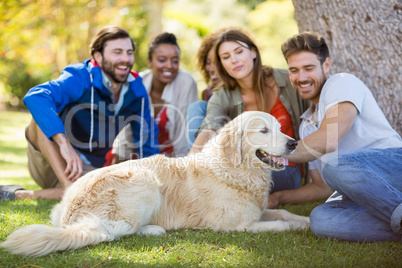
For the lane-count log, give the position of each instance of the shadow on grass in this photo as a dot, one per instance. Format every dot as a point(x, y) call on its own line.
point(29, 211)
point(203, 247)
point(176, 248)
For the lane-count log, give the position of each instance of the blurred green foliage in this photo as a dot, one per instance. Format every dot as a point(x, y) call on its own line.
point(273, 23)
point(250, 3)
point(39, 38)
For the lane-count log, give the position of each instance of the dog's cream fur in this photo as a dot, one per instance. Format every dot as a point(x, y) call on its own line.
point(225, 188)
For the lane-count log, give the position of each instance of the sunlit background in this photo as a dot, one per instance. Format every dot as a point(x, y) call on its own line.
point(39, 38)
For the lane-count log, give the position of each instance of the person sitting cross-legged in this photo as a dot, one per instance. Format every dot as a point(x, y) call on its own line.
point(359, 154)
point(77, 116)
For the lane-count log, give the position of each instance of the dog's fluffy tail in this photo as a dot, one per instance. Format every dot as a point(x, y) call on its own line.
point(39, 240)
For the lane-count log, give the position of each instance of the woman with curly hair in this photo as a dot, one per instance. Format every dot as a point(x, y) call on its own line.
point(197, 111)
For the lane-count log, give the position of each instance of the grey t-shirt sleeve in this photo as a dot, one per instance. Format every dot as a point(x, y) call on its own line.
point(340, 88)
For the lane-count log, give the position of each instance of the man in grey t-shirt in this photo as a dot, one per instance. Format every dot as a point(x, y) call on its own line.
point(360, 153)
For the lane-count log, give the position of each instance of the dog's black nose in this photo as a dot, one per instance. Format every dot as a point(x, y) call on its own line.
point(291, 144)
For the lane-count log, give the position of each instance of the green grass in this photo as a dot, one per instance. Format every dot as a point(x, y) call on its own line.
point(188, 248)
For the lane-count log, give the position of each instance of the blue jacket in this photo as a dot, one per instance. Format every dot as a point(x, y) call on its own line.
point(64, 106)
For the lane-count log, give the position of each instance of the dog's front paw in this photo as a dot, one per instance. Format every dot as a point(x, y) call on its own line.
point(306, 219)
point(299, 225)
point(151, 230)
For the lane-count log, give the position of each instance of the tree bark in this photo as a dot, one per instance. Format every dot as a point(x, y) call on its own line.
point(365, 39)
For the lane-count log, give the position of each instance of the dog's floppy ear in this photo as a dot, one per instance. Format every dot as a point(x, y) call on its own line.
point(231, 143)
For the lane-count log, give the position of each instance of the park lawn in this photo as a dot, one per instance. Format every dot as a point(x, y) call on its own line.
point(189, 248)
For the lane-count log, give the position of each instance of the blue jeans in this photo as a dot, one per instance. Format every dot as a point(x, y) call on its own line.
point(287, 179)
point(370, 182)
point(195, 115)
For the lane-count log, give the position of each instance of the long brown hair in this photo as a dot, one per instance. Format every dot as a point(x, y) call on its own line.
point(260, 72)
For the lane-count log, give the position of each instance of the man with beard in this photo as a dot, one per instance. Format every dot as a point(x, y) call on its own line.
point(353, 147)
point(77, 117)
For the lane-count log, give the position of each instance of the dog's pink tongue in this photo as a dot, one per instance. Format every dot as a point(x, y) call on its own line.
point(283, 161)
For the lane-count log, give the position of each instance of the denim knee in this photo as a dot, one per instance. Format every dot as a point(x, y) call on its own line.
point(286, 179)
point(336, 170)
point(197, 108)
point(330, 174)
point(319, 221)
point(348, 221)
point(195, 115)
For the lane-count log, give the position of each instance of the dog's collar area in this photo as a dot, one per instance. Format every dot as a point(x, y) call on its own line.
point(273, 161)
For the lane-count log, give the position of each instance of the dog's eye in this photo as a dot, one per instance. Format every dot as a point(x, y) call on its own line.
point(264, 130)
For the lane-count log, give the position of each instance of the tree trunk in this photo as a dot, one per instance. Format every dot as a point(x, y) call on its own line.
point(155, 9)
point(365, 39)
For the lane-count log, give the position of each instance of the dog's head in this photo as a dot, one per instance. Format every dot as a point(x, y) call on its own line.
point(256, 137)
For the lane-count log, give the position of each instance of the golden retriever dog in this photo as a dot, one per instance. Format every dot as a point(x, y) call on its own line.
point(224, 187)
